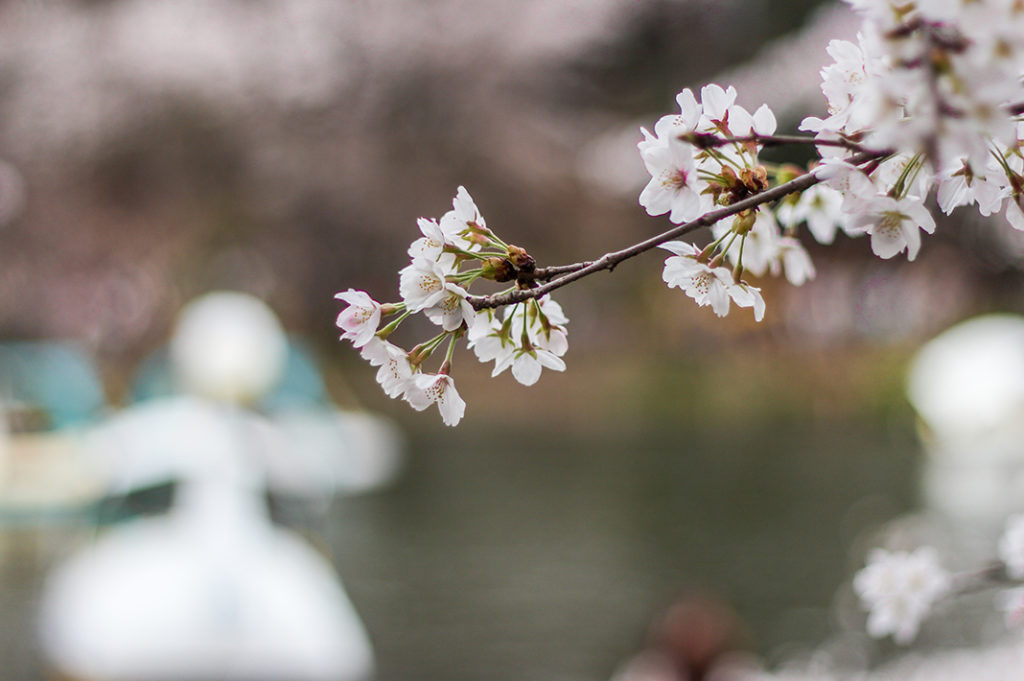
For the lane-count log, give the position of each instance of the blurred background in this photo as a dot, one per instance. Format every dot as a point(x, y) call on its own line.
point(155, 150)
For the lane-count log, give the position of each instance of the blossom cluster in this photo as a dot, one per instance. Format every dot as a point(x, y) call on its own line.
point(937, 83)
point(928, 101)
point(699, 159)
point(899, 588)
point(931, 92)
point(451, 254)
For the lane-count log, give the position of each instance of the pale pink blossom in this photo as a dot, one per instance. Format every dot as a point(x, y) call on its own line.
point(439, 389)
point(424, 287)
point(462, 221)
point(431, 246)
point(706, 285)
point(893, 225)
point(358, 321)
point(674, 187)
point(395, 372)
point(527, 364)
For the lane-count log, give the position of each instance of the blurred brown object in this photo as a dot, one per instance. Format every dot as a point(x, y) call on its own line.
point(696, 639)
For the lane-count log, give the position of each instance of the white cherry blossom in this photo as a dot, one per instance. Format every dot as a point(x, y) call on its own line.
point(708, 285)
point(898, 589)
point(421, 284)
point(395, 372)
point(439, 389)
point(488, 337)
point(716, 103)
point(958, 185)
point(358, 321)
point(459, 223)
point(674, 187)
point(527, 364)
point(452, 309)
point(745, 295)
point(424, 287)
point(431, 245)
point(893, 225)
point(684, 122)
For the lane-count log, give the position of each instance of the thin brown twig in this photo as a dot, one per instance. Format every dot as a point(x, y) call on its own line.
point(712, 140)
point(609, 261)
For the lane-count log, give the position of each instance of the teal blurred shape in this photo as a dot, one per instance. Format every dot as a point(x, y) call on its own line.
point(57, 379)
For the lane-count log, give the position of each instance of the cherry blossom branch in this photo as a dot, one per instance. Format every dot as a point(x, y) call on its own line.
point(608, 261)
point(987, 577)
point(707, 140)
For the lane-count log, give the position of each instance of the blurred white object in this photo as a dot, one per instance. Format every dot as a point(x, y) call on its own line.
point(967, 385)
point(339, 451)
point(210, 590)
point(228, 346)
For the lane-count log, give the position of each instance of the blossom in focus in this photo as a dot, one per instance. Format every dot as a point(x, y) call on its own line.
point(439, 389)
point(395, 372)
point(685, 121)
point(673, 187)
point(424, 287)
point(533, 338)
point(463, 224)
point(898, 589)
point(358, 321)
point(489, 338)
point(707, 285)
point(527, 363)
point(431, 245)
point(450, 311)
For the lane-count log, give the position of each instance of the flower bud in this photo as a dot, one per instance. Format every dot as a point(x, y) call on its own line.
point(744, 222)
point(498, 269)
point(521, 259)
point(755, 179)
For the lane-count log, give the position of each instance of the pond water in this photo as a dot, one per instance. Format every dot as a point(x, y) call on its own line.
point(545, 555)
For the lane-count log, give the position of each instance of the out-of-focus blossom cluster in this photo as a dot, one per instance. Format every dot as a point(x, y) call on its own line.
point(899, 588)
point(451, 254)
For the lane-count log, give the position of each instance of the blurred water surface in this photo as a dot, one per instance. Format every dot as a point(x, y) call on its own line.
point(527, 555)
point(545, 555)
